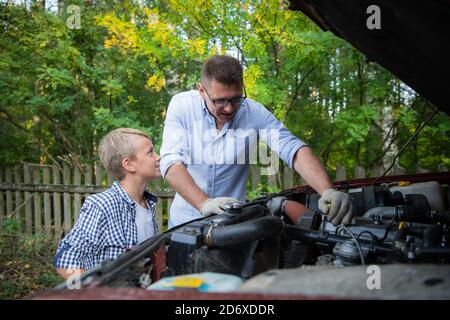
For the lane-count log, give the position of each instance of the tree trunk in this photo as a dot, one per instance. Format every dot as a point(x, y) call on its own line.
point(387, 120)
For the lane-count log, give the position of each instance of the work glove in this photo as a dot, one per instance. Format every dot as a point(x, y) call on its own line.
point(276, 204)
point(337, 206)
point(215, 205)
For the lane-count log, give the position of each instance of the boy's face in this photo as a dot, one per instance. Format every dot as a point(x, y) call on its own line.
point(146, 161)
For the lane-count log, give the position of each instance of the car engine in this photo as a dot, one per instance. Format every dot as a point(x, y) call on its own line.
point(395, 223)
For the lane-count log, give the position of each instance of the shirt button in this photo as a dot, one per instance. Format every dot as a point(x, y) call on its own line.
point(210, 166)
point(209, 185)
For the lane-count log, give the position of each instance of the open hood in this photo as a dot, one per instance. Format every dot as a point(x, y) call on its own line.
point(413, 41)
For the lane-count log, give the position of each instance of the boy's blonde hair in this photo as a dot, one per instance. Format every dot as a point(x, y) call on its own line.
point(116, 146)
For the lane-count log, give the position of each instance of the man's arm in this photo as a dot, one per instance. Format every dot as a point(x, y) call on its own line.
point(173, 154)
point(312, 170)
point(337, 205)
point(181, 181)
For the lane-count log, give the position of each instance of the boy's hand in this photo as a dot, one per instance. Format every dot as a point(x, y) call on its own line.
point(215, 205)
point(67, 273)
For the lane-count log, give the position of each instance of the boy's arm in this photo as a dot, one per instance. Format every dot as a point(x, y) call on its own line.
point(79, 248)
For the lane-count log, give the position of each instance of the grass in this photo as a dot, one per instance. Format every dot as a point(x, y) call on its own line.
point(25, 262)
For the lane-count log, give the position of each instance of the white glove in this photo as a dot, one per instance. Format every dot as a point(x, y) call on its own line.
point(215, 205)
point(337, 206)
point(276, 204)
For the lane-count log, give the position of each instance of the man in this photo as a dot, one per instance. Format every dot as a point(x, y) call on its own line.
point(200, 153)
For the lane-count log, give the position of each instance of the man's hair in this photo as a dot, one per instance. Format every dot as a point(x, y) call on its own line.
point(116, 146)
point(224, 69)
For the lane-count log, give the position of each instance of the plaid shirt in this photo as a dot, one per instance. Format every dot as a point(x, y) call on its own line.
point(105, 228)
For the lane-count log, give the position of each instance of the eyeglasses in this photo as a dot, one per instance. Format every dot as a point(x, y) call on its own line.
point(221, 103)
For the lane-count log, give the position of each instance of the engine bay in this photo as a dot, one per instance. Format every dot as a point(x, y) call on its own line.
point(396, 223)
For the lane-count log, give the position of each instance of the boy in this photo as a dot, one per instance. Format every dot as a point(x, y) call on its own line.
point(120, 217)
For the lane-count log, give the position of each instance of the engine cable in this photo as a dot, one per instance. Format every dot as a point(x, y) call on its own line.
point(363, 262)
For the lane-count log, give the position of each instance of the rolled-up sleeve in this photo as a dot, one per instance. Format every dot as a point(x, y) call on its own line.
point(79, 248)
point(278, 138)
point(174, 146)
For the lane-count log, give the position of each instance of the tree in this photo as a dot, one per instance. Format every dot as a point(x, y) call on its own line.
point(61, 89)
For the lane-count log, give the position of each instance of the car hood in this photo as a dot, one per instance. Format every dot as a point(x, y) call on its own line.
point(413, 41)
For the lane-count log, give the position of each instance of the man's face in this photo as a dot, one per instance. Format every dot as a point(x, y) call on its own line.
point(215, 91)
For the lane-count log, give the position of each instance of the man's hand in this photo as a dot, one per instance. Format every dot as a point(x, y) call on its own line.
point(215, 205)
point(337, 205)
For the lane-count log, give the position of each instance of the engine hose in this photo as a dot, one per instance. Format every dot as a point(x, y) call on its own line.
point(294, 210)
point(245, 214)
point(222, 236)
point(440, 252)
point(297, 254)
point(383, 212)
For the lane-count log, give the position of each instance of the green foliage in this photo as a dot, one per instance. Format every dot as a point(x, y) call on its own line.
point(10, 226)
point(261, 190)
point(61, 90)
point(357, 122)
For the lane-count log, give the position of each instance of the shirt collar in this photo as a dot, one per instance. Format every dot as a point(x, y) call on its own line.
point(205, 108)
point(118, 188)
point(150, 196)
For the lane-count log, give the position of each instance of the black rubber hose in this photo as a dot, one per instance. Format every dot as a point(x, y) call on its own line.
point(222, 236)
point(246, 213)
point(438, 252)
point(297, 254)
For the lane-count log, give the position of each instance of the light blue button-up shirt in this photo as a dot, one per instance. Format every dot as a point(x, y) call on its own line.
point(218, 161)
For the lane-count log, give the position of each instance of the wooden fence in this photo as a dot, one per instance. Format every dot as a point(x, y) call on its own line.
point(47, 199)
